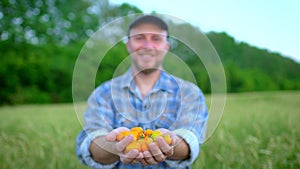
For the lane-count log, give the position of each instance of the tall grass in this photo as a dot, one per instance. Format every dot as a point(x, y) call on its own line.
point(258, 130)
point(38, 136)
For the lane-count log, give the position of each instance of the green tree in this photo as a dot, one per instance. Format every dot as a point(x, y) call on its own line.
point(40, 41)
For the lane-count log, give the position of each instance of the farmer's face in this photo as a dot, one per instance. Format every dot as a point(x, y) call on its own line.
point(147, 46)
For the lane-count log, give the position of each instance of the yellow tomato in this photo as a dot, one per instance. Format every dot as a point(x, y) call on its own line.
point(133, 145)
point(155, 134)
point(167, 138)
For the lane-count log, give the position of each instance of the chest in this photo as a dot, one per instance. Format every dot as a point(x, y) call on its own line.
point(157, 110)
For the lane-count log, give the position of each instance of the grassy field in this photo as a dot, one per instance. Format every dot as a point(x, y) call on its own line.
point(258, 130)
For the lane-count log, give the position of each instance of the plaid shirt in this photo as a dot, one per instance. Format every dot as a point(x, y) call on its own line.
point(173, 104)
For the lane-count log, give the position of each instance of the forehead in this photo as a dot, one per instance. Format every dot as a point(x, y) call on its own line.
point(147, 28)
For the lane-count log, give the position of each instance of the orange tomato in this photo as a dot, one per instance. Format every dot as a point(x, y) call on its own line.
point(148, 133)
point(137, 129)
point(134, 134)
point(144, 144)
point(122, 135)
point(142, 138)
point(137, 132)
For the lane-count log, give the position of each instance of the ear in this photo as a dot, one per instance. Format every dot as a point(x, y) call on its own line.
point(128, 46)
point(167, 47)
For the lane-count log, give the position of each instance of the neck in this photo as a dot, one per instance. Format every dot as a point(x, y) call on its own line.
point(145, 80)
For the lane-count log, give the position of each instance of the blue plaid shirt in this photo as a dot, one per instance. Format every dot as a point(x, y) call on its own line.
point(173, 104)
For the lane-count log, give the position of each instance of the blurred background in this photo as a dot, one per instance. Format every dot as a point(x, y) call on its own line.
point(40, 41)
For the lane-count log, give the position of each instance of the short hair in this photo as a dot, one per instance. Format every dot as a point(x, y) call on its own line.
point(151, 19)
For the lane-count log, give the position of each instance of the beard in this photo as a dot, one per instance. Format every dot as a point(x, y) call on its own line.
point(149, 70)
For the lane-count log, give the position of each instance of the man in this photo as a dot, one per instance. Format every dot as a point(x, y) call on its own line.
point(148, 97)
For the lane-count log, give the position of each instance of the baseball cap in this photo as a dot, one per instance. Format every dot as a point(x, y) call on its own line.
point(151, 19)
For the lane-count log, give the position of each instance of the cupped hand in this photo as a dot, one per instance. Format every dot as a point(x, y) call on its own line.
point(173, 136)
point(133, 156)
point(160, 150)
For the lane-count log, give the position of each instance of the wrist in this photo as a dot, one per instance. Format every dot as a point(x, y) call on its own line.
point(181, 150)
point(103, 153)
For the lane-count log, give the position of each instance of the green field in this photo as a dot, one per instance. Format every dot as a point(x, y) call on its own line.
point(258, 130)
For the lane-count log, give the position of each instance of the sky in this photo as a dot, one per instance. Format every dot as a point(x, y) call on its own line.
point(267, 24)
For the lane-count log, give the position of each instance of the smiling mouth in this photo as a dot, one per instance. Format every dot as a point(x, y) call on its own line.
point(146, 56)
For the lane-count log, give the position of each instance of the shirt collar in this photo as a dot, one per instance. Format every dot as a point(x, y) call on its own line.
point(126, 79)
point(165, 82)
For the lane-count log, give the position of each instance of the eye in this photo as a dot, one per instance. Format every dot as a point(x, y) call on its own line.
point(138, 38)
point(157, 39)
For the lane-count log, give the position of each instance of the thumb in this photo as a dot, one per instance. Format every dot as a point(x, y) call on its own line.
point(112, 136)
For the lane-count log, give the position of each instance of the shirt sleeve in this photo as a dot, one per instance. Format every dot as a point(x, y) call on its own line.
point(96, 124)
point(82, 150)
point(191, 139)
point(191, 122)
point(193, 114)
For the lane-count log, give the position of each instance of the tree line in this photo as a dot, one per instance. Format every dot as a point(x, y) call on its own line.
point(41, 40)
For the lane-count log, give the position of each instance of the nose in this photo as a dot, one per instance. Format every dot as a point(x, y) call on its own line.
point(148, 44)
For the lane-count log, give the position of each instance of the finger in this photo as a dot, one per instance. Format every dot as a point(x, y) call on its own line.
point(148, 159)
point(163, 130)
point(164, 147)
point(174, 138)
point(112, 136)
point(138, 158)
point(130, 157)
point(120, 146)
point(144, 162)
point(119, 129)
point(156, 152)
